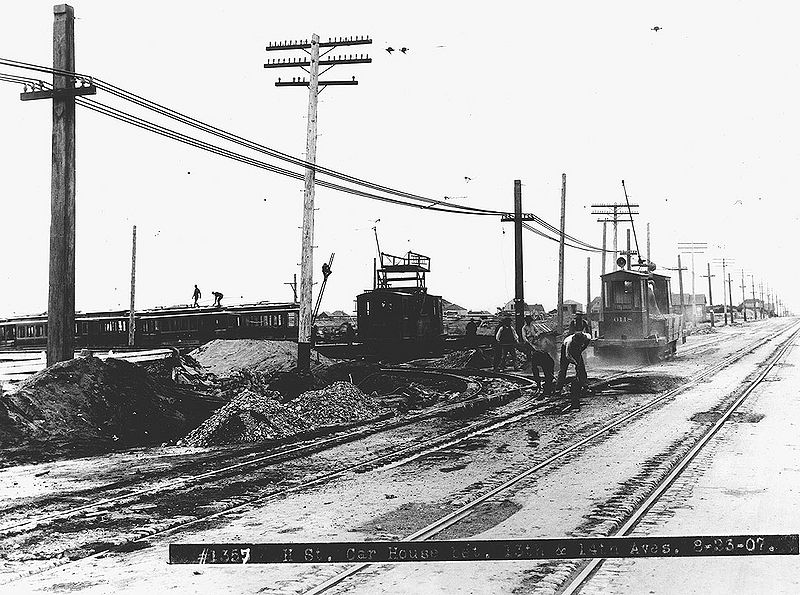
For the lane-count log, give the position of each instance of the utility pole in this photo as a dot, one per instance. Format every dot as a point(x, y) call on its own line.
point(293, 285)
point(131, 317)
point(730, 297)
point(311, 65)
point(61, 297)
point(753, 289)
point(519, 285)
point(693, 248)
point(710, 299)
point(648, 243)
point(726, 303)
point(628, 248)
point(588, 289)
point(744, 304)
point(761, 291)
point(561, 254)
point(680, 270)
point(610, 213)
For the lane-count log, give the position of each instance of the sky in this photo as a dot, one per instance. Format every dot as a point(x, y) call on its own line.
point(699, 118)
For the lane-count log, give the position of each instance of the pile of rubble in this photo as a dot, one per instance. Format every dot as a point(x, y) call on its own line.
point(86, 401)
point(251, 417)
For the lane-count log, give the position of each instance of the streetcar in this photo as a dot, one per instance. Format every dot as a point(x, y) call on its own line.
point(635, 315)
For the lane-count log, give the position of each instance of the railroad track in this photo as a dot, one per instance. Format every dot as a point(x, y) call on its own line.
point(524, 409)
point(467, 509)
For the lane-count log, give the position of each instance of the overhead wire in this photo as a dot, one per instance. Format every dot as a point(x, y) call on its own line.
point(432, 204)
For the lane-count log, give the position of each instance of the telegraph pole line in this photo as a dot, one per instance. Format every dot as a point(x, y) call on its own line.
point(561, 254)
point(519, 285)
point(61, 296)
point(753, 289)
point(761, 290)
point(293, 285)
point(311, 65)
point(693, 248)
point(710, 299)
point(730, 296)
point(131, 317)
point(725, 303)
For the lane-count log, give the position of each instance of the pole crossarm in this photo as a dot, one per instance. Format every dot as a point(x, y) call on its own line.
point(304, 83)
point(58, 93)
point(306, 44)
point(302, 62)
point(506, 217)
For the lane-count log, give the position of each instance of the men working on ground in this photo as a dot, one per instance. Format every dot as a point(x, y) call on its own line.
point(507, 341)
point(217, 299)
point(537, 358)
point(572, 353)
point(579, 325)
point(196, 296)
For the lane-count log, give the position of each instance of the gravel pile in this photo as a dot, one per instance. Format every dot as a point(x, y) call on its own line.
point(248, 417)
point(253, 417)
point(339, 403)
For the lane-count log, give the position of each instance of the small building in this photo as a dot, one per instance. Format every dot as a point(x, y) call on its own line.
point(451, 309)
point(701, 306)
point(535, 310)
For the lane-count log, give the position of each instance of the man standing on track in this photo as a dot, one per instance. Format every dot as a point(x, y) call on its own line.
point(537, 358)
point(572, 352)
point(507, 341)
point(196, 295)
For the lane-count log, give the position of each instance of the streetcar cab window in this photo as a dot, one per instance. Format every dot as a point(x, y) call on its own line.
point(623, 295)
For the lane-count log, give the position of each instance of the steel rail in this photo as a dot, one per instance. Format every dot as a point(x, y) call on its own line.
point(468, 508)
point(591, 567)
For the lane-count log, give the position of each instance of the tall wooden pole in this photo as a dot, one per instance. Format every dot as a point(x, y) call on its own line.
point(131, 317)
point(680, 285)
point(724, 300)
point(307, 253)
point(603, 266)
point(744, 305)
point(519, 286)
point(628, 249)
point(61, 299)
point(561, 254)
point(730, 297)
point(588, 288)
point(616, 254)
point(648, 243)
point(753, 289)
point(710, 298)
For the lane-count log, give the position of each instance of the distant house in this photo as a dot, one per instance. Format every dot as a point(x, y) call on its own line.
point(701, 306)
point(571, 307)
point(481, 314)
point(535, 310)
point(594, 308)
point(451, 309)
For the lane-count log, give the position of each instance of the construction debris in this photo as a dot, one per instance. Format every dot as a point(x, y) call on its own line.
point(89, 401)
point(251, 417)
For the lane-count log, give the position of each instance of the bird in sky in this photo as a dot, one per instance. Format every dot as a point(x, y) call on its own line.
point(467, 178)
point(656, 28)
point(390, 49)
point(404, 49)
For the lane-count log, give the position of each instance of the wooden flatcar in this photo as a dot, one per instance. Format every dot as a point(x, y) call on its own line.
point(635, 315)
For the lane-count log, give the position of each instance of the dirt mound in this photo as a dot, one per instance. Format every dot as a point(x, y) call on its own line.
point(223, 356)
point(250, 417)
point(86, 400)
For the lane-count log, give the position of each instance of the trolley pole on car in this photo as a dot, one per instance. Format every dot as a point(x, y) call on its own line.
point(131, 317)
point(61, 296)
point(561, 254)
point(710, 298)
point(311, 65)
